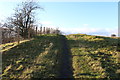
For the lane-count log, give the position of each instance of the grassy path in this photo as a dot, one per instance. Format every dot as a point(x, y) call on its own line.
point(66, 61)
point(58, 56)
point(38, 58)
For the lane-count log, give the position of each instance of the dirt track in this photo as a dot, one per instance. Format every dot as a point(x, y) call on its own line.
point(66, 63)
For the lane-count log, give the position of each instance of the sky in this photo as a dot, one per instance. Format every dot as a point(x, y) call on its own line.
point(93, 18)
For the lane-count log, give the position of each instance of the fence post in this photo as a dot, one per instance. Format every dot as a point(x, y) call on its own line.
point(0, 36)
point(18, 39)
point(28, 33)
point(44, 30)
point(40, 30)
point(0, 53)
point(36, 30)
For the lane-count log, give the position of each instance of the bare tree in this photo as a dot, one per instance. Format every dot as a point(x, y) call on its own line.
point(24, 17)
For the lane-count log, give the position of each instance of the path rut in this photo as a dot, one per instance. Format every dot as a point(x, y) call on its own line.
point(66, 70)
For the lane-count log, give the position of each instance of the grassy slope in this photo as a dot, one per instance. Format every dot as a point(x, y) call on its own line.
point(94, 56)
point(38, 58)
point(7, 46)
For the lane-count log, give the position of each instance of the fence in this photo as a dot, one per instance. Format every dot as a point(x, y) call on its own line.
point(10, 35)
point(46, 30)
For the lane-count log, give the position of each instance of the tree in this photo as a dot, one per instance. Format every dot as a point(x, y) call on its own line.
point(24, 17)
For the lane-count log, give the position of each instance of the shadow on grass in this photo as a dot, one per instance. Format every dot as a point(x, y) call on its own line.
point(86, 74)
point(66, 70)
point(22, 54)
point(106, 42)
point(25, 53)
point(107, 63)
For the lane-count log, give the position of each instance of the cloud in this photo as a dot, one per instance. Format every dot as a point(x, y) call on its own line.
point(91, 31)
point(86, 29)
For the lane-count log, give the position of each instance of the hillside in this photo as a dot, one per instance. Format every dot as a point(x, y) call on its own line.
point(70, 56)
point(38, 58)
point(94, 56)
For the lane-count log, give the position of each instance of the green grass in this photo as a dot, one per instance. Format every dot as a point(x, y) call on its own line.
point(94, 56)
point(38, 58)
point(7, 46)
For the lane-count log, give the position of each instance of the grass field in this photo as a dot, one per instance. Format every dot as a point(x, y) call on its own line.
point(46, 56)
point(38, 58)
point(94, 56)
